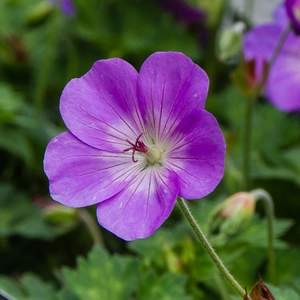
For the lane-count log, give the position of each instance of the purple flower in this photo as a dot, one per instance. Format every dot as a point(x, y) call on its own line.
point(282, 87)
point(67, 6)
point(280, 16)
point(183, 12)
point(135, 142)
point(293, 11)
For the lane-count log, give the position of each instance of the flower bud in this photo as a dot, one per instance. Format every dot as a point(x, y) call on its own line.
point(230, 41)
point(58, 213)
point(247, 79)
point(261, 292)
point(55, 212)
point(233, 214)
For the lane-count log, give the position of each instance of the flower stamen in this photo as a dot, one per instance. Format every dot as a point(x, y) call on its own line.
point(137, 146)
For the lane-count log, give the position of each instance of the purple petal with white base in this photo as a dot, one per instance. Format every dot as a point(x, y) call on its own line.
point(138, 210)
point(168, 91)
point(196, 155)
point(89, 175)
point(136, 141)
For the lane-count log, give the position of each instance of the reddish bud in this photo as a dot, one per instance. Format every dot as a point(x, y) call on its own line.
point(261, 292)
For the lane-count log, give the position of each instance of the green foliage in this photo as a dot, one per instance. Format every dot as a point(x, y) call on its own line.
point(177, 250)
point(138, 27)
point(28, 287)
point(40, 51)
point(166, 287)
point(101, 276)
point(19, 216)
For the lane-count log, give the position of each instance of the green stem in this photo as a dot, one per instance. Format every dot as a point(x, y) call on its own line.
point(261, 194)
point(249, 110)
point(87, 219)
point(248, 141)
point(208, 248)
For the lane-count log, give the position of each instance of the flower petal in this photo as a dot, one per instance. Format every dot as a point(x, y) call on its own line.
point(286, 71)
point(254, 49)
point(100, 108)
point(280, 15)
point(197, 155)
point(81, 175)
point(138, 210)
point(170, 85)
point(282, 87)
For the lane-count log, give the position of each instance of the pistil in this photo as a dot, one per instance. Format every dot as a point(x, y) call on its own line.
point(152, 154)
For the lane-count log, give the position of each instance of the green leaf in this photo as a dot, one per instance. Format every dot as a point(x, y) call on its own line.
point(101, 276)
point(288, 265)
point(28, 287)
point(65, 294)
point(36, 289)
point(167, 287)
point(15, 142)
point(19, 216)
point(284, 293)
point(139, 28)
point(152, 248)
point(10, 101)
point(10, 289)
point(256, 233)
point(275, 153)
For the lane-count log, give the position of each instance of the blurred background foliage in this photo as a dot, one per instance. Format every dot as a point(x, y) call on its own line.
point(48, 251)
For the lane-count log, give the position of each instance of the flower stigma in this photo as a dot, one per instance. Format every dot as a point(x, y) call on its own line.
point(152, 154)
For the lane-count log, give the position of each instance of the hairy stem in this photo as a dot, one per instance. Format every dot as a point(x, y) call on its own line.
point(260, 194)
point(248, 141)
point(208, 248)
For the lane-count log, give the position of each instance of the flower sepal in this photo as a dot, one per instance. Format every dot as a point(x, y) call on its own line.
point(261, 292)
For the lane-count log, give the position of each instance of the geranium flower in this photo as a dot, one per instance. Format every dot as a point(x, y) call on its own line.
point(282, 87)
point(67, 6)
point(135, 142)
point(293, 11)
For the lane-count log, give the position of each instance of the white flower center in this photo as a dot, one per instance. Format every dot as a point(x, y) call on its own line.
point(152, 154)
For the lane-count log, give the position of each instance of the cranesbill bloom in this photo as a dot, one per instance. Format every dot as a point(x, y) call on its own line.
point(135, 142)
point(293, 11)
point(282, 87)
point(67, 6)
